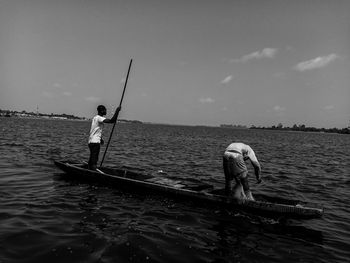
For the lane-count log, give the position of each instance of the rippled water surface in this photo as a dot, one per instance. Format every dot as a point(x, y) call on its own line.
point(46, 218)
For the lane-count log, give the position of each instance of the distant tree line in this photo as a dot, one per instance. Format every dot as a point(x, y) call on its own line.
point(9, 113)
point(233, 126)
point(304, 128)
point(130, 121)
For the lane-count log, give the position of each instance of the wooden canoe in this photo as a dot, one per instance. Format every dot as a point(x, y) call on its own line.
point(272, 207)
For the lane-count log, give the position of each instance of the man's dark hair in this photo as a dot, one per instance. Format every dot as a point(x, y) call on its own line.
point(101, 108)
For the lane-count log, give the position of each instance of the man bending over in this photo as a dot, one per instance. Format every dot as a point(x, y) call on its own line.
point(235, 168)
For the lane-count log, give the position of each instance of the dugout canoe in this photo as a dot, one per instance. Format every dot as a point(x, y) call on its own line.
point(193, 190)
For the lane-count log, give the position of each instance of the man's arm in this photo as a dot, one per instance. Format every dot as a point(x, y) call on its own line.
point(257, 170)
point(114, 118)
point(256, 164)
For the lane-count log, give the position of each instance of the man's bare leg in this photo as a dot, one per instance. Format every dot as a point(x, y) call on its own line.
point(244, 182)
point(249, 195)
point(238, 192)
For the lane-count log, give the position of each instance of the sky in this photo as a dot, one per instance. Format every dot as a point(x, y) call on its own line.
point(246, 62)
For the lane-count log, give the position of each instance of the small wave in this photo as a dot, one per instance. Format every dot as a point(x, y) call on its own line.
point(12, 144)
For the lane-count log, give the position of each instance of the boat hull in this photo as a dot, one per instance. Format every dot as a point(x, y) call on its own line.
point(204, 193)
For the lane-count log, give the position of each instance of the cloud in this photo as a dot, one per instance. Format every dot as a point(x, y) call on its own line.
point(318, 62)
point(206, 100)
point(278, 108)
point(265, 53)
point(329, 107)
point(67, 93)
point(92, 99)
point(227, 79)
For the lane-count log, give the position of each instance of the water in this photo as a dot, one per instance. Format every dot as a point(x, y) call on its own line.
point(45, 218)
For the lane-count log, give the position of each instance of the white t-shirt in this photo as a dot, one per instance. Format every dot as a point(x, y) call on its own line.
point(96, 129)
point(244, 149)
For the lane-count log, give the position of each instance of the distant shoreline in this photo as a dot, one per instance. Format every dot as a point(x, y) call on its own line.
point(24, 114)
point(303, 128)
point(52, 116)
point(42, 118)
point(64, 119)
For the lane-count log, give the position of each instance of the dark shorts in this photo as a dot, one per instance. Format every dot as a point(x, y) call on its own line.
point(94, 152)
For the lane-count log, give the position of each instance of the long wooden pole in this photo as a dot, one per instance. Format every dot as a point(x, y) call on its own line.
point(120, 104)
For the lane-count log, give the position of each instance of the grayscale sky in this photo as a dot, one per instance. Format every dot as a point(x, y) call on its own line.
point(249, 62)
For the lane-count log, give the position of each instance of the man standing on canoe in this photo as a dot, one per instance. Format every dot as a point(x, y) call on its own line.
point(95, 138)
point(235, 168)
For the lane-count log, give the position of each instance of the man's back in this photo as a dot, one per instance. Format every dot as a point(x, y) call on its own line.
point(238, 146)
point(243, 149)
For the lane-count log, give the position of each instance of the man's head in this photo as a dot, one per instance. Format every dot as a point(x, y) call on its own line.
point(101, 110)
